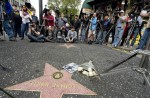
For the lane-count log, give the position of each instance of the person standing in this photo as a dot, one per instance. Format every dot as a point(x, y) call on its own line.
point(77, 24)
point(61, 21)
point(84, 27)
point(105, 23)
point(35, 18)
point(146, 34)
point(119, 29)
point(26, 17)
point(7, 21)
point(51, 19)
point(17, 21)
point(92, 29)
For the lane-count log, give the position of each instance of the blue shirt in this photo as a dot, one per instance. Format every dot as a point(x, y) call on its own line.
point(93, 23)
point(8, 8)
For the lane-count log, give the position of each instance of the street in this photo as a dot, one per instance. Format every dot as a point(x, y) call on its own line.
point(22, 61)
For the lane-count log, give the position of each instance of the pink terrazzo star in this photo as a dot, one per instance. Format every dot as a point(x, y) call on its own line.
point(49, 87)
point(68, 46)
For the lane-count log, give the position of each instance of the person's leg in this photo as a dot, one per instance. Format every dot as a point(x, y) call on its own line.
point(94, 36)
point(83, 34)
point(14, 29)
point(124, 36)
point(19, 29)
point(136, 32)
point(77, 30)
point(8, 29)
point(26, 28)
point(99, 37)
point(120, 36)
point(115, 36)
point(107, 36)
point(23, 27)
point(104, 37)
point(97, 34)
point(144, 38)
point(42, 38)
point(32, 38)
point(90, 35)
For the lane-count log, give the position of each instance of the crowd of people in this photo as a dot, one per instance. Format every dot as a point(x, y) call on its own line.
point(96, 28)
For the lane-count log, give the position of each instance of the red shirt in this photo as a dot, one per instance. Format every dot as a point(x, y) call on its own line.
point(126, 27)
point(49, 20)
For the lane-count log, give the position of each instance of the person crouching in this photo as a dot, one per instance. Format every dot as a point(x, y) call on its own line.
point(34, 34)
point(61, 35)
point(72, 36)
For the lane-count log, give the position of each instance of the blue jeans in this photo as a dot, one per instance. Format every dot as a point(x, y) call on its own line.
point(101, 37)
point(136, 32)
point(39, 38)
point(118, 36)
point(144, 38)
point(24, 29)
point(8, 29)
point(83, 34)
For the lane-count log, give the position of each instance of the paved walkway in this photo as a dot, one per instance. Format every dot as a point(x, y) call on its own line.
point(23, 62)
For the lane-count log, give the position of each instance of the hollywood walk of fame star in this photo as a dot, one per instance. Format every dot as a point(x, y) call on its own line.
point(68, 46)
point(50, 87)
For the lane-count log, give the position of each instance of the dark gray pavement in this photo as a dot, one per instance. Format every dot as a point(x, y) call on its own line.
point(25, 61)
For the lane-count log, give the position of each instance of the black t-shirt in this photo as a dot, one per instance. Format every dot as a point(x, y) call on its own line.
point(16, 17)
point(85, 23)
point(77, 24)
point(35, 30)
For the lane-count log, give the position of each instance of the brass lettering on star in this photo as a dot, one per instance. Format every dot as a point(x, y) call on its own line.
point(63, 86)
point(46, 84)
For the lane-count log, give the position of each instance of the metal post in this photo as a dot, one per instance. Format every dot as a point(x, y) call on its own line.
point(40, 11)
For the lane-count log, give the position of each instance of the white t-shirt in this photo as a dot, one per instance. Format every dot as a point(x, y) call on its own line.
point(25, 18)
point(72, 34)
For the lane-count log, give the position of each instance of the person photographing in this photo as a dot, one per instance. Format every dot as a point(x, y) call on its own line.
point(34, 34)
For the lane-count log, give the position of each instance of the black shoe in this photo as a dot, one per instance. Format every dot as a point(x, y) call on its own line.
point(32, 41)
point(90, 42)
